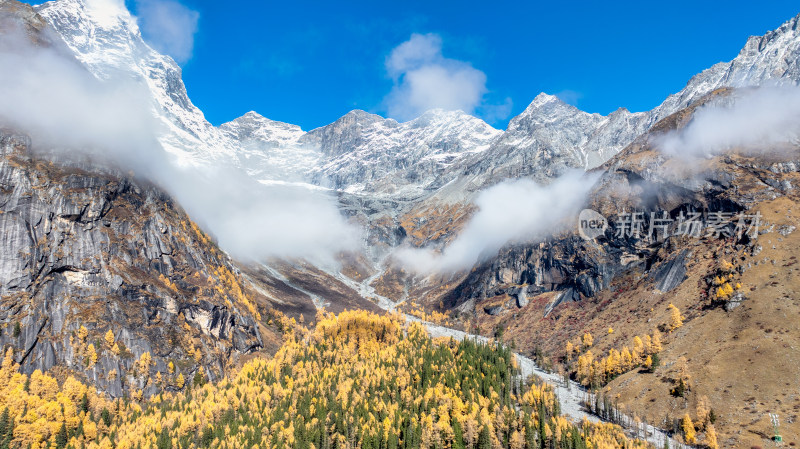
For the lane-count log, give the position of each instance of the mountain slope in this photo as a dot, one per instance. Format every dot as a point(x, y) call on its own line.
point(620, 286)
point(86, 253)
point(102, 275)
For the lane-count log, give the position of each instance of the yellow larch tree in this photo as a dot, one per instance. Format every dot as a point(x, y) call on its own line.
point(703, 411)
point(587, 341)
point(638, 349)
point(83, 333)
point(143, 364)
point(711, 437)
point(569, 350)
point(655, 345)
point(626, 359)
point(688, 430)
point(675, 317)
point(109, 337)
point(91, 356)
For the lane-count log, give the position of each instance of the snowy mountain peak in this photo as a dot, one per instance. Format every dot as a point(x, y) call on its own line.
point(104, 36)
point(543, 99)
point(771, 58)
point(255, 126)
point(109, 14)
point(102, 14)
point(358, 116)
point(546, 109)
point(102, 33)
point(788, 30)
point(444, 114)
point(450, 118)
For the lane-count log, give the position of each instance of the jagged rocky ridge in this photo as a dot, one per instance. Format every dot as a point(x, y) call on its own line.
point(644, 180)
point(382, 169)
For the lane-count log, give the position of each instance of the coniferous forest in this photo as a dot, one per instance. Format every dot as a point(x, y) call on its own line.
point(358, 380)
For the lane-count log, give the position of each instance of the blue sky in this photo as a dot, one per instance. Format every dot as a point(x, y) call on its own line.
point(309, 63)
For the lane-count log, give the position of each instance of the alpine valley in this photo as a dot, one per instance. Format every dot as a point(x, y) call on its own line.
point(120, 300)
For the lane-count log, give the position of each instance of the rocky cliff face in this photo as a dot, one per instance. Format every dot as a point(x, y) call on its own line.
point(103, 252)
point(640, 179)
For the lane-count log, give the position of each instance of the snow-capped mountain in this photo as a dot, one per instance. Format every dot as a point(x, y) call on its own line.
point(551, 136)
point(365, 154)
point(104, 36)
point(771, 58)
point(361, 152)
point(269, 150)
point(349, 154)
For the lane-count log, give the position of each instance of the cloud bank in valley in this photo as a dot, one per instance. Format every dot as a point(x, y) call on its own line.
point(752, 120)
point(516, 211)
point(69, 113)
point(424, 79)
point(253, 221)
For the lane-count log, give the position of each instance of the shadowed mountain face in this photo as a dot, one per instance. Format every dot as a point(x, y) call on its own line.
point(108, 253)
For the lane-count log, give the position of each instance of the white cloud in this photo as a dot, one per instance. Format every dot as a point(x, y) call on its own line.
point(419, 50)
point(751, 120)
point(253, 221)
point(570, 96)
point(515, 211)
point(169, 27)
point(60, 105)
point(424, 79)
point(70, 114)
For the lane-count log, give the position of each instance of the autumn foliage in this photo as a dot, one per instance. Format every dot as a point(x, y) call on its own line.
point(358, 380)
point(596, 370)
